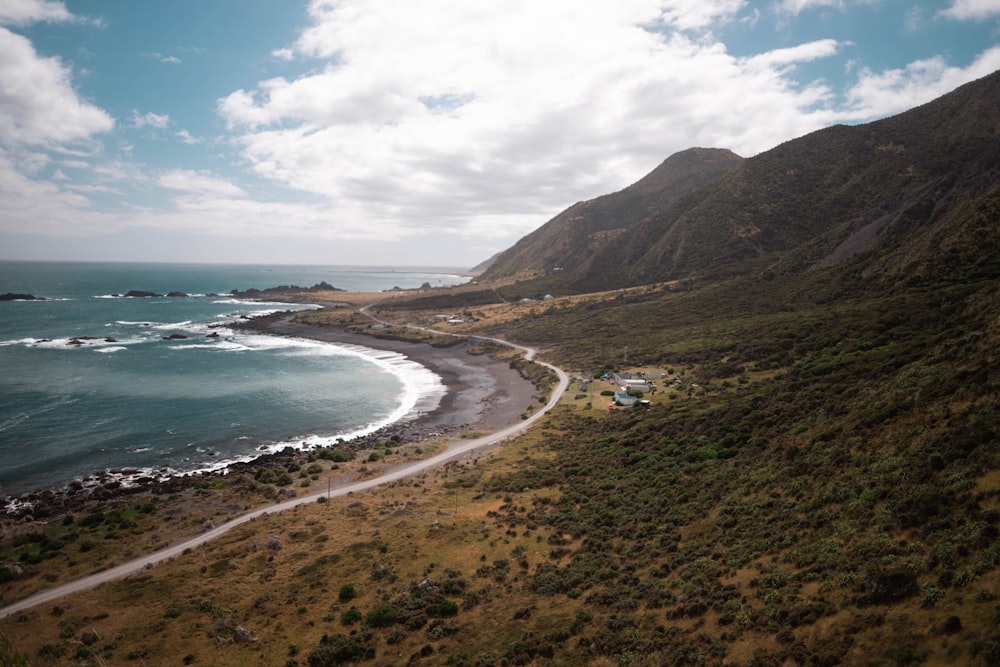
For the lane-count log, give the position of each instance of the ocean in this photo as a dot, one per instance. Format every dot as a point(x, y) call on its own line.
point(162, 385)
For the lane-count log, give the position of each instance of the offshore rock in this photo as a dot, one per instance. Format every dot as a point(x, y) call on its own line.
point(11, 296)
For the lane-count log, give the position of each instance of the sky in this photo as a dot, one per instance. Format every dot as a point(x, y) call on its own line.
point(420, 133)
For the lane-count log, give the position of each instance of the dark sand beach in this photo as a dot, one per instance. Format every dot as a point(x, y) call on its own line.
point(483, 394)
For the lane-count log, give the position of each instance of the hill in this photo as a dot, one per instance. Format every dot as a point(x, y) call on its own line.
point(572, 237)
point(903, 196)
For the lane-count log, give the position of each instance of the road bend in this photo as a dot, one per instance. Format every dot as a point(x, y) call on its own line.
point(456, 449)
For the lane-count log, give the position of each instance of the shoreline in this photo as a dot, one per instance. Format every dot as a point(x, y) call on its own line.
point(479, 389)
point(480, 393)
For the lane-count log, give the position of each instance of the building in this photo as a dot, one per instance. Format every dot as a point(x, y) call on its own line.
point(623, 399)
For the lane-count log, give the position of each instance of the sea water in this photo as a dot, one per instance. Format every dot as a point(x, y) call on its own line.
point(92, 381)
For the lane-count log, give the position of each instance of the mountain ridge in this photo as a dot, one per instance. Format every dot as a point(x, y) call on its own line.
point(885, 193)
point(572, 236)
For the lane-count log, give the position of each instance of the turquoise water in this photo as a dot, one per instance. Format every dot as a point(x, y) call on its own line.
point(129, 397)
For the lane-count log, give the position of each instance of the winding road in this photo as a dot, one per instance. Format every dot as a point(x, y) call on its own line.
point(456, 449)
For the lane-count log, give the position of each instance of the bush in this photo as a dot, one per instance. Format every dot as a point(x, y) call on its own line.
point(347, 593)
point(444, 609)
point(336, 455)
point(337, 650)
point(351, 616)
point(382, 616)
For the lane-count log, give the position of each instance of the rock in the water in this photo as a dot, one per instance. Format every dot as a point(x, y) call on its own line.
point(11, 296)
point(175, 337)
point(177, 294)
point(141, 294)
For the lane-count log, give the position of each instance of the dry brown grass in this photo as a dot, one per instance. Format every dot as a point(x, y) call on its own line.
point(285, 599)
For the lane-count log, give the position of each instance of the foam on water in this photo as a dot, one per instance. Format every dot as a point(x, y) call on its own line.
point(112, 384)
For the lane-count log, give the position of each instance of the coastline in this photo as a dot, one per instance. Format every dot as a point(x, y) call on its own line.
point(480, 394)
point(480, 391)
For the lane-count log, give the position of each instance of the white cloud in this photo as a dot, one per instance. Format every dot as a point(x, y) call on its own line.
point(171, 60)
point(199, 182)
point(781, 58)
point(473, 121)
point(975, 10)
point(881, 93)
point(698, 14)
point(96, 189)
point(186, 138)
point(36, 205)
point(26, 12)
point(914, 18)
point(31, 162)
point(462, 117)
point(796, 7)
point(149, 119)
point(38, 104)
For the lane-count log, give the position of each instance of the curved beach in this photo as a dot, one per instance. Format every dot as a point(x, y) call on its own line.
point(480, 391)
point(480, 394)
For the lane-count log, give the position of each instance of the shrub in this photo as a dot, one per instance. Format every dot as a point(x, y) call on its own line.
point(351, 616)
point(444, 609)
point(337, 650)
point(347, 593)
point(382, 616)
point(336, 455)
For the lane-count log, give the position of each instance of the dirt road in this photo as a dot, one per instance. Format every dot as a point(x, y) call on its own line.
point(455, 449)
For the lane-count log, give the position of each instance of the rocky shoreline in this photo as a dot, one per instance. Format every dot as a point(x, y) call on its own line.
point(481, 393)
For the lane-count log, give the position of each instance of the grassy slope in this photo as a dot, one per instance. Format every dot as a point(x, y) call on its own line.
point(818, 486)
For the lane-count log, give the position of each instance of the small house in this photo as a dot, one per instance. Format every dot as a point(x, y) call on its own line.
point(623, 399)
